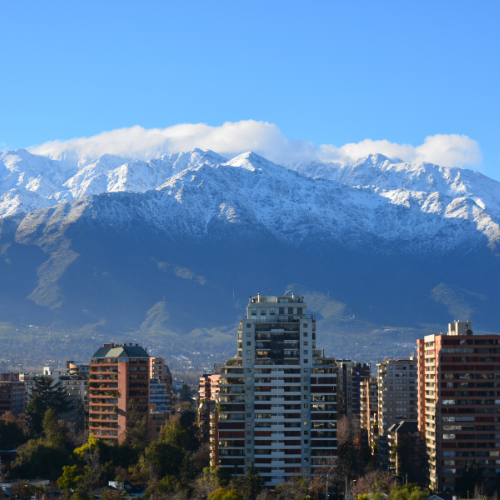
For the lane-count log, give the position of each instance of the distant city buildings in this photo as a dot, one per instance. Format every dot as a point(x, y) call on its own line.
point(12, 393)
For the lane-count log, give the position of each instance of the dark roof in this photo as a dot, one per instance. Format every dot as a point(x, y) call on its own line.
point(125, 351)
point(404, 426)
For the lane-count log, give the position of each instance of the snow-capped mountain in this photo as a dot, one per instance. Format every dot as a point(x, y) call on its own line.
point(176, 243)
point(419, 207)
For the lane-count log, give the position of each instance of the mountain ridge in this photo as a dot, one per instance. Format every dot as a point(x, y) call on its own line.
point(161, 248)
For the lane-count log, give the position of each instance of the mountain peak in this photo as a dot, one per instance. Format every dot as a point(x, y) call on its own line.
point(250, 161)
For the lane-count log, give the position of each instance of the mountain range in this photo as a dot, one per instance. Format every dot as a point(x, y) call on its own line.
point(383, 250)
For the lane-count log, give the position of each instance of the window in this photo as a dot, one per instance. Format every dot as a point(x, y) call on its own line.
point(249, 343)
point(290, 310)
point(272, 311)
point(304, 325)
point(306, 352)
point(249, 360)
point(306, 334)
point(306, 405)
point(249, 334)
point(306, 361)
point(282, 310)
point(306, 379)
point(249, 370)
point(299, 310)
point(306, 396)
point(249, 325)
point(306, 342)
point(249, 352)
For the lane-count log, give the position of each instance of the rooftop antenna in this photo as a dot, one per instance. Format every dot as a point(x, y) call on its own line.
point(287, 293)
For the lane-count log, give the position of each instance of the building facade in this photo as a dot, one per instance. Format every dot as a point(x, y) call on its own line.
point(160, 407)
point(118, 374)
point(459, 404)
point(208, 398)
point(397, 398)
point(406, 452)
point(369, 413)
point(12, 393)
point(277, 396)
point(351, 375)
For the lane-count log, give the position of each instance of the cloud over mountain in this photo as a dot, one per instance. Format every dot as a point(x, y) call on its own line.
point(232, 138)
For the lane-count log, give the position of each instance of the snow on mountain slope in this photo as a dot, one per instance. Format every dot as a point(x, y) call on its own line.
point(253, 195)
point(29, 182)
point(419, 206)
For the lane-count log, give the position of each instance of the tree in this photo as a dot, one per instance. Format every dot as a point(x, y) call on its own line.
point(293, 489)
point(469, 479)
point(374, 482)
point(188, 470)
point(409, 491)
point(11, 431)
point(173, 433)
point(223, 494)
point(251, 483)
point(46, 456)
point(46, 394)
point(186, 394)
point(137, 427)
point(70, 478)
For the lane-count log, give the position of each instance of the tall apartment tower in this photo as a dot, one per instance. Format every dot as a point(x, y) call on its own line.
point(350, 377)
point(208, 392)
point(459, 404)
point(278, 396)
point(117, 375)
point(397, 398)
point(369, 412)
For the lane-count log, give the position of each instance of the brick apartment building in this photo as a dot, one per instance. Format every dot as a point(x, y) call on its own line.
point(459, 404)
point(118, 374)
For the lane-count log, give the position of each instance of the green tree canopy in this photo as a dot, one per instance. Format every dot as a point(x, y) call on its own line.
point(223, 494)
point(45, 395)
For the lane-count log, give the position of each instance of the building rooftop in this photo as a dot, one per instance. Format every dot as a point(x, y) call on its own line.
point(124, 351)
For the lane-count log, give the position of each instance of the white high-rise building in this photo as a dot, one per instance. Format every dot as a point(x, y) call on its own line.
point(277, 403)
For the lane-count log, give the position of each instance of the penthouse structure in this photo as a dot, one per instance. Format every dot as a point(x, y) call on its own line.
point(277, 396)
point(118, 374)
point(459, 404)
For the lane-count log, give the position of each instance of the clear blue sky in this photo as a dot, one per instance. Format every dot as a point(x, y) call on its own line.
point(328, 72)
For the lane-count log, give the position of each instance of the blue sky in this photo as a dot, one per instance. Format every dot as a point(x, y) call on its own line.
point(326, 72)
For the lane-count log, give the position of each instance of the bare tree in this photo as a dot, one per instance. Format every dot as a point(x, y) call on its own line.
point(93, 471)
point(4, 473)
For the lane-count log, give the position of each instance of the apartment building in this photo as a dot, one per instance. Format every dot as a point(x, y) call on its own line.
point(77, 368)
point(118, 374)
point(459, 404)
point(160, 407)
point(369, 412)
point(351, 374)
point(277, 396)
point(12, 393)
point(397, 398)
point(406, 457)
point(208, 392)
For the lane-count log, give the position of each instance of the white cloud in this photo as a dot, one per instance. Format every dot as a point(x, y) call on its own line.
point(263, 138)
